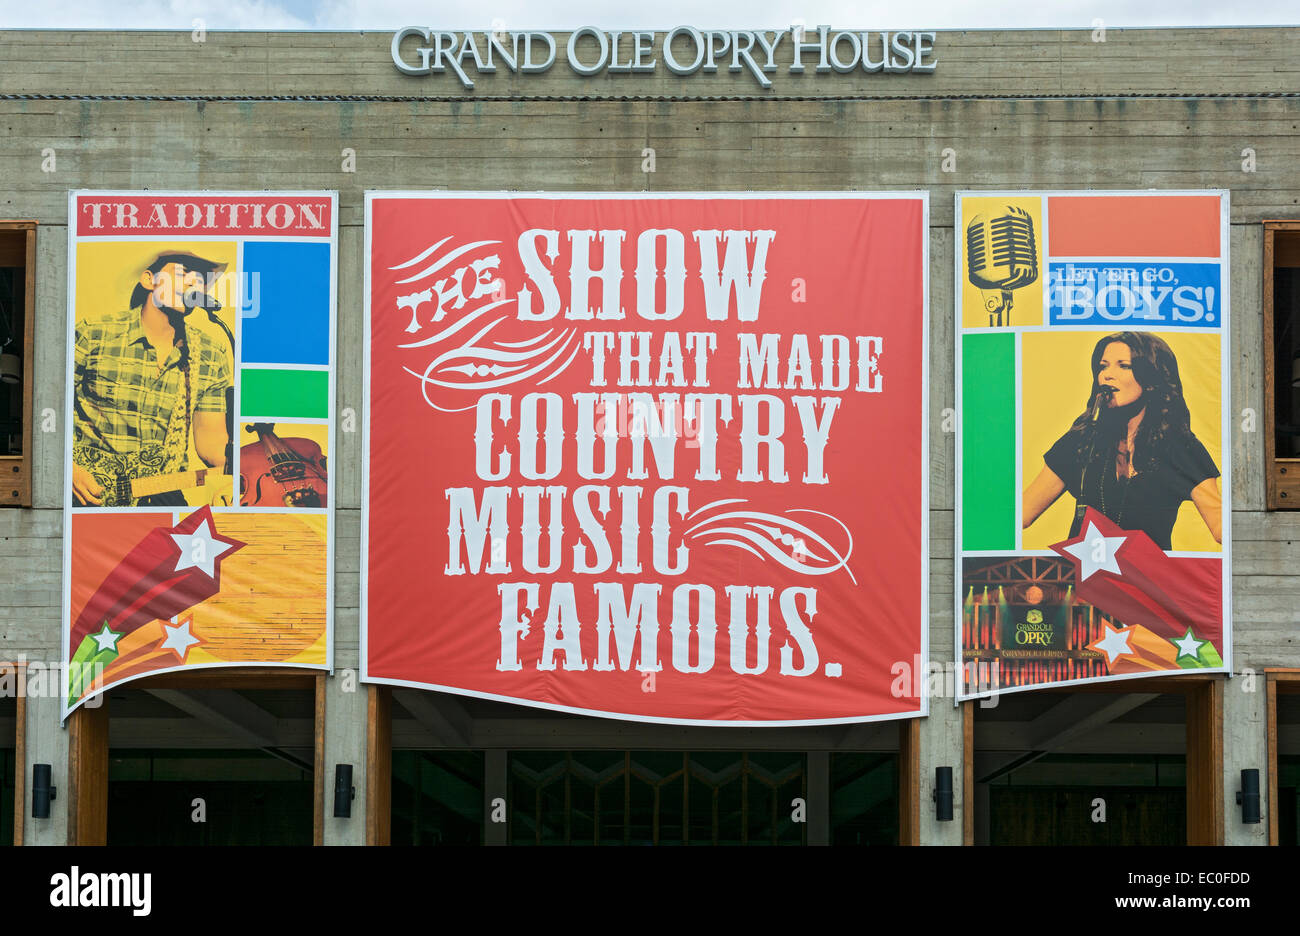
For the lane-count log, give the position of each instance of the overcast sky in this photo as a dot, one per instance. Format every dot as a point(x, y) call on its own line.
point(662, 14)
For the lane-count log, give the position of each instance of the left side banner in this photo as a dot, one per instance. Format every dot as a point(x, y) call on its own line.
point(199, 431)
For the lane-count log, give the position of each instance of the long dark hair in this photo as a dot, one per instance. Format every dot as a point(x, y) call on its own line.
point(1155, 368)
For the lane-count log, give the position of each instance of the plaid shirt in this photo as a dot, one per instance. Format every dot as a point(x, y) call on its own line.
point(121, 401)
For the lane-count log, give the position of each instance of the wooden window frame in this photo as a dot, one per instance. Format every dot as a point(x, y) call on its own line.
point(1281, 475)
point(1277, 681)
point(16, 470)
point(19, 671)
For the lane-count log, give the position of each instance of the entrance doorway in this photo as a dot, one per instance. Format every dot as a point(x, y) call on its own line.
point(11, 806)
point(1137, 762)
point(545, 789)
point(165, 796)
point(198, 758)
point(1283, 780)
point(1091, 800)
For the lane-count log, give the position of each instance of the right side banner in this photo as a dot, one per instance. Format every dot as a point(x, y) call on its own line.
point(1093, 478)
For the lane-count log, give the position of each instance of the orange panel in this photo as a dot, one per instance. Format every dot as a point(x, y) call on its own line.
point(1133, 226)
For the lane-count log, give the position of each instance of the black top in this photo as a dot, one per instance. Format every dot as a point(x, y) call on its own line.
point(1148, 501)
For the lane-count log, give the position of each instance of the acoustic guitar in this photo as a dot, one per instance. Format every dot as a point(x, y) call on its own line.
point(127, 478)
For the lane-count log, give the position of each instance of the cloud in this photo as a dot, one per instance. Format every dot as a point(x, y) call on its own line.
point(150, 14)
point(561, 14)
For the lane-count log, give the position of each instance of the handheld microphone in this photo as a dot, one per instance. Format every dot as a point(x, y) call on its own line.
point(1002, 255)
point(1103, 394)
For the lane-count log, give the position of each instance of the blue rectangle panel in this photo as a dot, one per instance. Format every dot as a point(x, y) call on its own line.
point(1138, 295)
point(285, 318)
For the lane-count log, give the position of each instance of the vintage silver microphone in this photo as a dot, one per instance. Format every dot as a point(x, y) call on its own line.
point(1001, 255)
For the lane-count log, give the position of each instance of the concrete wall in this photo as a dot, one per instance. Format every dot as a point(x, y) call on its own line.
point(1050, 109)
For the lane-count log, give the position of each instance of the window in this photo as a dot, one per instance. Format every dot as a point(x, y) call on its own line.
point(1282, 364)
point(17, 299)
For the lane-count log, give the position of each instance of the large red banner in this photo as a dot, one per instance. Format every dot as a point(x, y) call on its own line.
point(657, 458)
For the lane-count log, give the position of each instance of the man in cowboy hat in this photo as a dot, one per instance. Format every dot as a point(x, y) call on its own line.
point(142, 381)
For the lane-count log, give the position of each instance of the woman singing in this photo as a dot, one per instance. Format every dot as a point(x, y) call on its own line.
point(1131, 454)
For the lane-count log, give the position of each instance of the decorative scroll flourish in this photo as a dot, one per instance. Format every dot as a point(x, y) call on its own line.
point(477, 345)
point(797, 546)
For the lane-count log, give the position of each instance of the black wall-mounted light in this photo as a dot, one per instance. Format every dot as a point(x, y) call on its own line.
point(1248, 796)
point(344, 791)
point(42, 791)
point(943, 794)
point(11, 368)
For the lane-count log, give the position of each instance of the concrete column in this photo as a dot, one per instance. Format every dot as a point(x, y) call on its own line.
point(496, 783)
point(1245, 746)
point(819, 798)
point(47, 743)
point(941, 746)
point(345, 743)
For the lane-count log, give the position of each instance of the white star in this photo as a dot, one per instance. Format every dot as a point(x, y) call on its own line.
point(179, 639)
point(106, 639)
point(1096, 552)
point(1115, 643)
point(199, 550)
point(1187, 645)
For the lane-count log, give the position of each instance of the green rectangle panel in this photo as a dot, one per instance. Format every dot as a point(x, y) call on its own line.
point(988, 441)
point(284, 394)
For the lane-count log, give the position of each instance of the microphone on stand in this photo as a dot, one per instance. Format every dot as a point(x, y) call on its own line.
point(1099, 401)
point(1001, 255)
point(230, 391)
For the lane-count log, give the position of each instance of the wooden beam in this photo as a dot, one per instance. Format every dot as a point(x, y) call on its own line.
point(1205, 764)
point(968, 773)
point(20, 750)
point(318, 766)
point(1270, 686)
point(909, 781)
point(88, 776)
point(29, 364)
point(379, 765)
